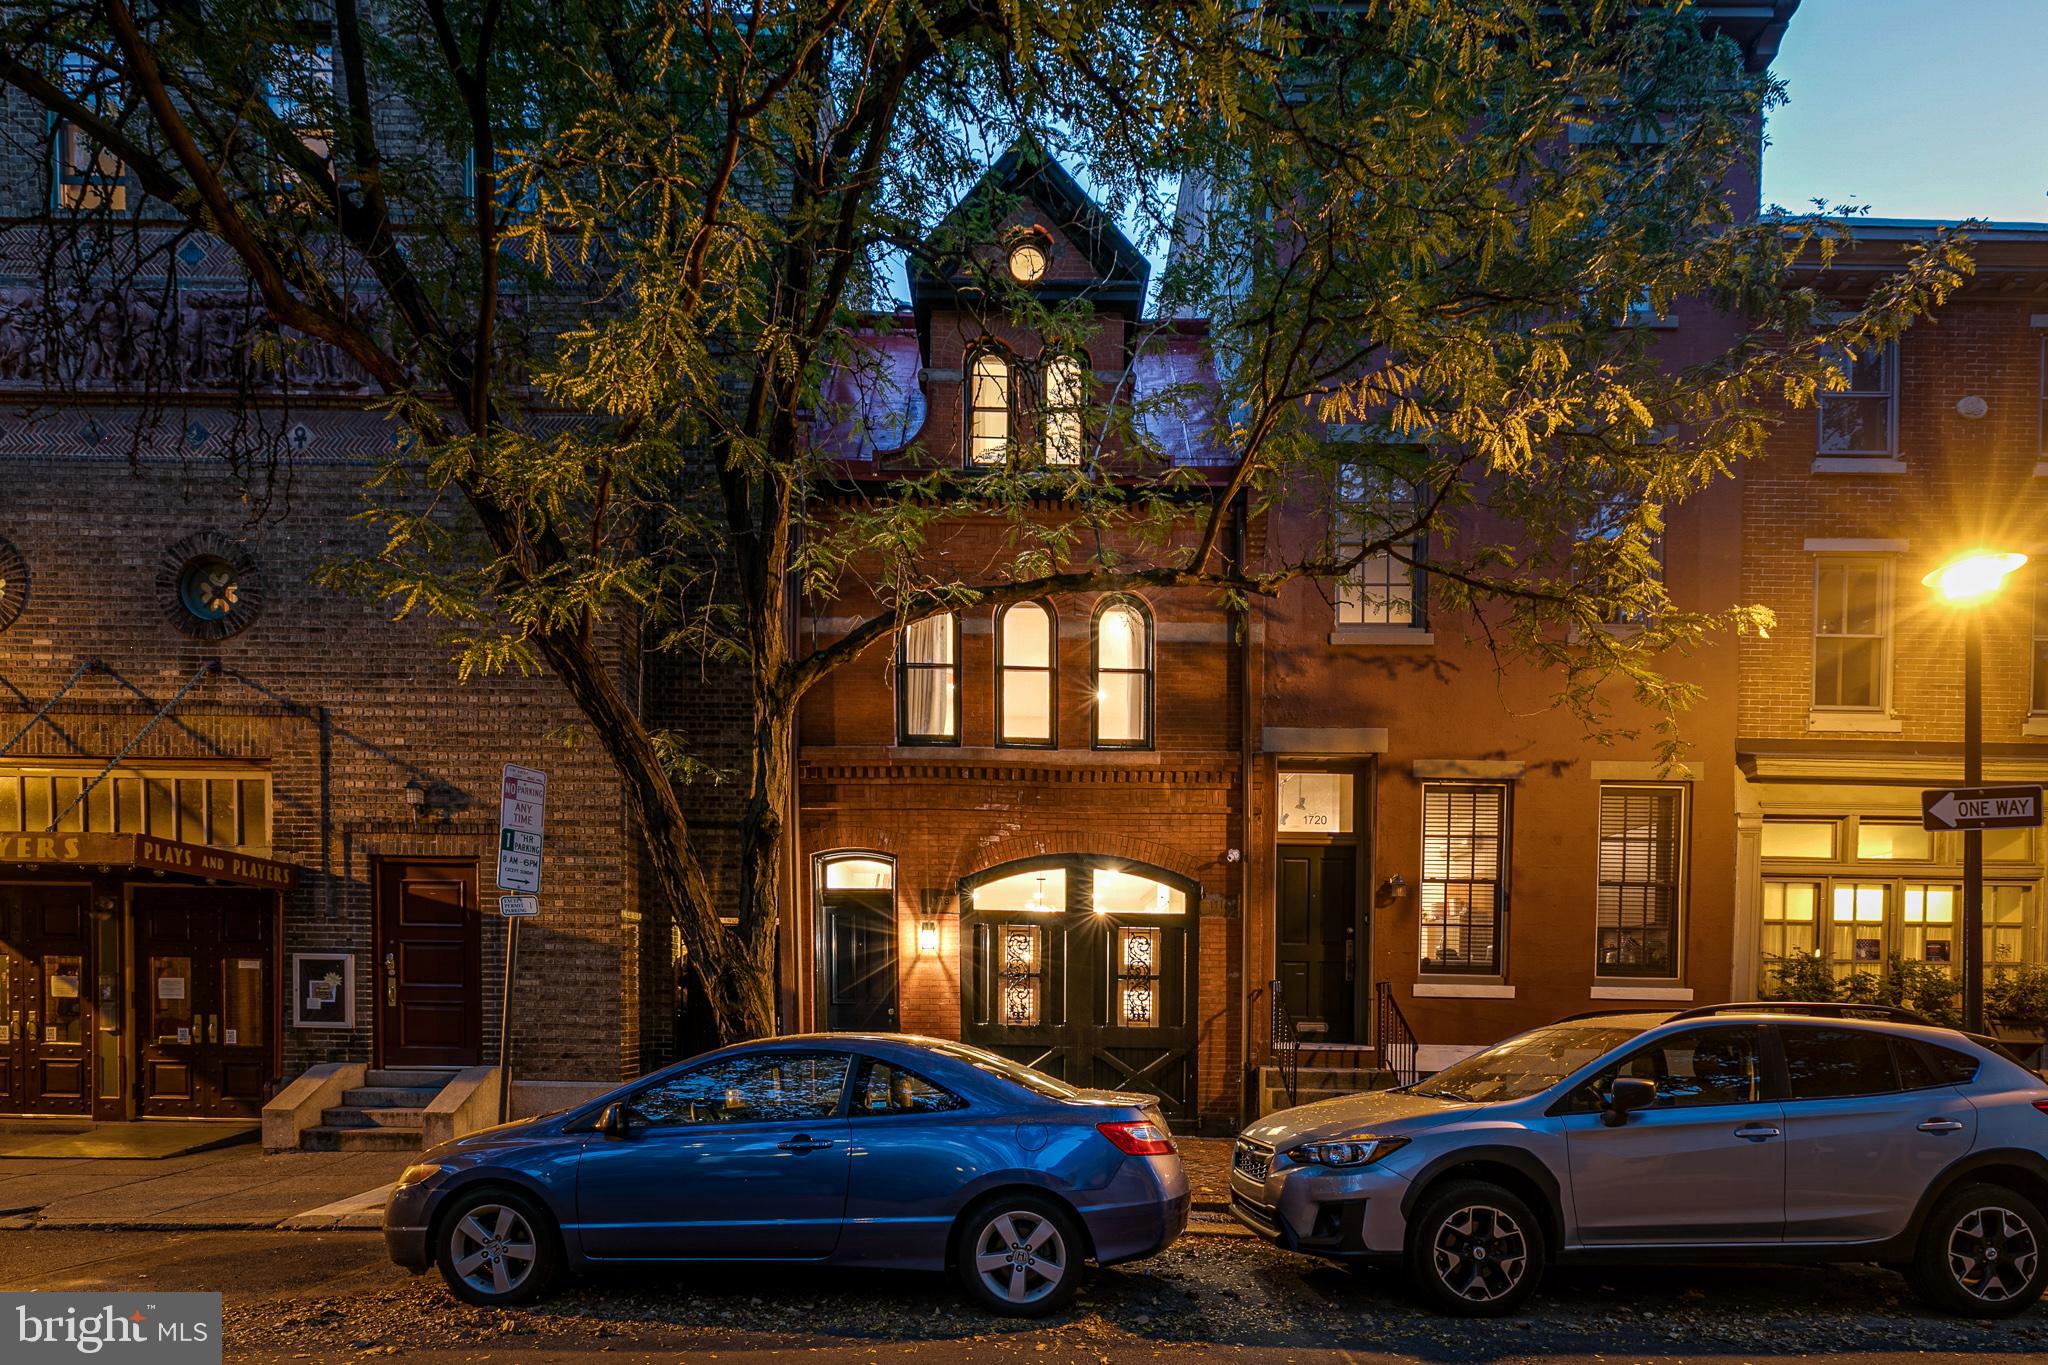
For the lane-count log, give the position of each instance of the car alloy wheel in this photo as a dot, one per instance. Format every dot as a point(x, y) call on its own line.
point(1480, 1253)
point(493, 1248)
point(1992, 1254)
point(1021, 1257)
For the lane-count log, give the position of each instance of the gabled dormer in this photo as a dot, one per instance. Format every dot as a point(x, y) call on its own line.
point(999, 390)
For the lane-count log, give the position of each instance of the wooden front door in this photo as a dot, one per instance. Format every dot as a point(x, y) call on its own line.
point(429, 963)
point(44, 1000)
point(206, 1006)
point(1316, 941)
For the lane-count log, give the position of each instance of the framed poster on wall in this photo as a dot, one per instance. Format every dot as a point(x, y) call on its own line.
point(323, 990)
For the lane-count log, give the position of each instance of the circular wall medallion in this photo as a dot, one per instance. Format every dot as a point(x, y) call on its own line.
point(209, 586)
point(13, 584)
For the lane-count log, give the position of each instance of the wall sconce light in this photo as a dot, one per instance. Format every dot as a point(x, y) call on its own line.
point(1394, 888)
point(927, 937)
point(416, 796)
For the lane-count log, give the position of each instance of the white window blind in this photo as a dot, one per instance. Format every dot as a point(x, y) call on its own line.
point(1464, 855)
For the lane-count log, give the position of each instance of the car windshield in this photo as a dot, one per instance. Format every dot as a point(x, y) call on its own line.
point(1037, 1082)
point(1524, 1066)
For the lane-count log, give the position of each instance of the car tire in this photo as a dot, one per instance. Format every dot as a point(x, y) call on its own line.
point(1475, 1250)
point(497, 1247)
point(1019, 1255)
point(1983, 1253)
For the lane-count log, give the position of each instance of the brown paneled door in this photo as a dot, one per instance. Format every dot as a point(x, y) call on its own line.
point(206, 1004)
point(44, 1003)
point(429, 969)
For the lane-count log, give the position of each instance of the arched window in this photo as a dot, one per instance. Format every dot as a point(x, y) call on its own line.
point(1123, 676)
point(1027, 672)
point(1065, 401)
point(990, 383)
point(928, 681)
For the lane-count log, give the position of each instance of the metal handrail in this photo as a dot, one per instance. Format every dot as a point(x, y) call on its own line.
point(1400, 1052)
point(1286, 1046)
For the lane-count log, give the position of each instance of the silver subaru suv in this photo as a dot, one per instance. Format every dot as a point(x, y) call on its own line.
point(1750, 1132)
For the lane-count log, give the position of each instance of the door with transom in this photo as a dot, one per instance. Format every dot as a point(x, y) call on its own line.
point(1079, 966)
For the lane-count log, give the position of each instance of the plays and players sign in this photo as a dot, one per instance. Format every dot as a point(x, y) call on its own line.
point(522, 805)
point(1981, 808)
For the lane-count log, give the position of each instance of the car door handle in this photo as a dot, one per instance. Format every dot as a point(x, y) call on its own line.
point(1756, 1132)
point(1942, 1126)
point(804, 1143)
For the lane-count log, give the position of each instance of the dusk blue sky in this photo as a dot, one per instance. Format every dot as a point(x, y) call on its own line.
point(1918, 108)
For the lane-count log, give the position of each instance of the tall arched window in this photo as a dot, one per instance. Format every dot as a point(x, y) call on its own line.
point(1027, 670)
point(990, 383)
point(1123, 675)
point(928, 681)
point(1065, 400)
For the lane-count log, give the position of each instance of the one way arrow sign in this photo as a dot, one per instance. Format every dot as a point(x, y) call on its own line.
point(1981, 808)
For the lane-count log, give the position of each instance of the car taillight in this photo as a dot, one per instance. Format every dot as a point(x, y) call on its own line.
point(1143, 1138)
point(2041, 1105)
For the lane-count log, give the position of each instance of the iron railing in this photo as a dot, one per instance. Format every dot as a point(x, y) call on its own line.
point(1399, 1050)
point(1286, 1046)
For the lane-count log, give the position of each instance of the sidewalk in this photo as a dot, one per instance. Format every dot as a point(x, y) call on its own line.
point(230, 1188)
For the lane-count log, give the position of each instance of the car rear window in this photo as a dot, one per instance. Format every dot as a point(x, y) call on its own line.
point(1834, 1063)
point(1952, 1067)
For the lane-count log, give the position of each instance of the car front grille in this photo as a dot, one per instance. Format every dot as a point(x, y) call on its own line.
point(1252, 1160)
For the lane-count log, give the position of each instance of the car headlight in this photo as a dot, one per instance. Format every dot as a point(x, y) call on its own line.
point(421, 1174)
point(1358, 1151)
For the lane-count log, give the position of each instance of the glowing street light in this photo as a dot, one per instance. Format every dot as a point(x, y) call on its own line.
point(1973, 577)
point(1967, 582)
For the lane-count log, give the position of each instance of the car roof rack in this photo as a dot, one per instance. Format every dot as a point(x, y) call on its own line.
point(1819, 1009)
point(1584, 1015)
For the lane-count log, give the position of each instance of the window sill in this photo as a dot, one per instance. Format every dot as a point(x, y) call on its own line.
point(1858, 464)
point(1853, 723)
point(1381, 635)
point(2035, 725)
point(1675, 993)
point(1462, 990)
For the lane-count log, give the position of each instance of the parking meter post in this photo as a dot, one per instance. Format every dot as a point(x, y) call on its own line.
point(505, 1022)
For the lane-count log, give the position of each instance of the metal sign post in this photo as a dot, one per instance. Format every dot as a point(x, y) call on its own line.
point(522, 811)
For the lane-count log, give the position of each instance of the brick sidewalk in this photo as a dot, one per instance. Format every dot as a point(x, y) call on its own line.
point(1208, 1164)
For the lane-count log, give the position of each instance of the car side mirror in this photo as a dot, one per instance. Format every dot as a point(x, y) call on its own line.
point(1629, 1094)
point(618, 1120)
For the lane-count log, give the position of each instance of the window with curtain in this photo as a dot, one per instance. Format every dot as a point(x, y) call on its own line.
point(1065, 400)
point(1123, 677)
point(989, 383)
point(1641, 899)
point(1026, 672)
point(928, 681)
point(1850, 623)
point(1464, 863)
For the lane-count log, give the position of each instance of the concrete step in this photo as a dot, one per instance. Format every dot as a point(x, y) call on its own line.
point(390, 1096)
point(420, 1078)
point(327, 1139)
point(383, 1116)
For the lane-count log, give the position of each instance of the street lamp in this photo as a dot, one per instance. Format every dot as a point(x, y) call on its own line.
point(1968, 582)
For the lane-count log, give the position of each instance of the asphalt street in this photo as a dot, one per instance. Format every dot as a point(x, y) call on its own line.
point(331, 1296)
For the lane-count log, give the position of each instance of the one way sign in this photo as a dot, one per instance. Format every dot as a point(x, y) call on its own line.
point(1981, 808)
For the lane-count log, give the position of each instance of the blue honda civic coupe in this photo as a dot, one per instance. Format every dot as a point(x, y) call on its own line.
point(841, 1149)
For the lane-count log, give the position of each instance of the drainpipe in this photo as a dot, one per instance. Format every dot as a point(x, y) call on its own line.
point(1246, 755)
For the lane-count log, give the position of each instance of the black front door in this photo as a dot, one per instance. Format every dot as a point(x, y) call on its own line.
point(860, 960)
point(1080, 967)
point(1316, 946)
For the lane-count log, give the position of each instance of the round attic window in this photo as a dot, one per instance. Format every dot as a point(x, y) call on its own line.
point(1027, 262)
